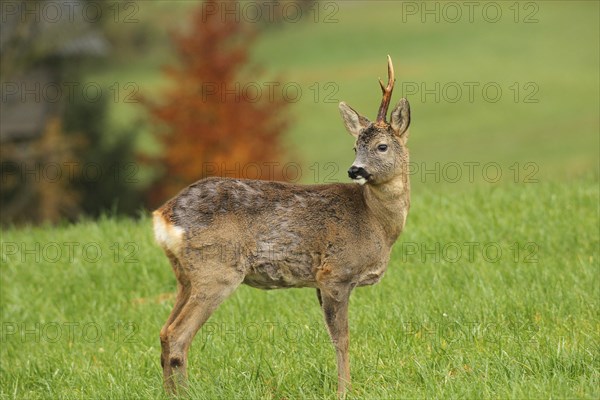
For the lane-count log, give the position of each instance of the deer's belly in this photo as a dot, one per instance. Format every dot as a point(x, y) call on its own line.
point(372, 276)
point(279, 276)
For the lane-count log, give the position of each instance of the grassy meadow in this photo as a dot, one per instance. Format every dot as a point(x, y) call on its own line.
point(489, 293)
point(492, 290)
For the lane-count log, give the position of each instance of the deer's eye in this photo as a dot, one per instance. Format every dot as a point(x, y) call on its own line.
point(354, 148)
point(382, 147)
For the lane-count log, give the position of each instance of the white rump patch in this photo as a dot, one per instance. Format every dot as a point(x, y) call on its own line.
point(167, 235)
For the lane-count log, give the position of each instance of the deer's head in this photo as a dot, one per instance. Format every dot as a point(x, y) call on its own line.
point(381, 152)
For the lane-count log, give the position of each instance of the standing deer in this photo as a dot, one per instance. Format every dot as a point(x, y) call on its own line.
point(219, 233)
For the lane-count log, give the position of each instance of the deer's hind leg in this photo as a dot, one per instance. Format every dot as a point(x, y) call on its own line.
point(210, 284)
point(184, 287)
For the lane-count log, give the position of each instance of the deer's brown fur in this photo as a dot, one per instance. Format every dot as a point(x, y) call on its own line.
point(219, 233)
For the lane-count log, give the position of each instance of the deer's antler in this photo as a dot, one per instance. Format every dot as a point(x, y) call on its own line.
point(387, 93)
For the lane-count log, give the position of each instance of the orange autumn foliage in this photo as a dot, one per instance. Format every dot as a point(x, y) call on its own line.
point(213, 127)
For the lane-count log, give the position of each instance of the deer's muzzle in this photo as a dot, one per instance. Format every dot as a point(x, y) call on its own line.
point(359, 174)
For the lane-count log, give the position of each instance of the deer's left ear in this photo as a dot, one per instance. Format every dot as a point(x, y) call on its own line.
point(401, 118)
point(353, 121)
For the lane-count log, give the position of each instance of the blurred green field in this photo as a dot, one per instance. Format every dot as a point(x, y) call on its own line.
point(549, 118)
point(516, 317)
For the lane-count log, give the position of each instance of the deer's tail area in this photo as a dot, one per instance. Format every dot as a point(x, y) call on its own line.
point(168, 235)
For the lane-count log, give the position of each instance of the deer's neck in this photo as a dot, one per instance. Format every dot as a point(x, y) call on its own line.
point(389, 203)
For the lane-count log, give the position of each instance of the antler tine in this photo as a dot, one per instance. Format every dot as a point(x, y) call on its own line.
point(387, 92)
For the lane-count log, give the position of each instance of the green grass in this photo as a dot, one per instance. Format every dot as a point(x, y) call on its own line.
point(523, 324)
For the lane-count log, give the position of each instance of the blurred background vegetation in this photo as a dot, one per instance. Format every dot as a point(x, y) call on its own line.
point(517, 90)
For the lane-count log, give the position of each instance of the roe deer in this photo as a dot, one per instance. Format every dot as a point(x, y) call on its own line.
point(219, 233)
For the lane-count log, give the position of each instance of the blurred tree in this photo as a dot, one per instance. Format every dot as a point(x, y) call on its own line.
point(213, 125)
point(55, 160)
point(107, 173)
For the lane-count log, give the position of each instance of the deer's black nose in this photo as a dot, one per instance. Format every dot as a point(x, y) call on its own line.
point(357, 172)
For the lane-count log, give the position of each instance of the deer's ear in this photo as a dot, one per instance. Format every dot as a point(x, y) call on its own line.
point(353, 121)
point(401, 117)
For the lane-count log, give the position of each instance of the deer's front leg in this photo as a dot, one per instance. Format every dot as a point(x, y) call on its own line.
point(335, 310)
point(319, 298)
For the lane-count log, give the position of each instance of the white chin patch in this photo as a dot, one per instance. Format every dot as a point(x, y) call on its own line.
point(360, 180)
